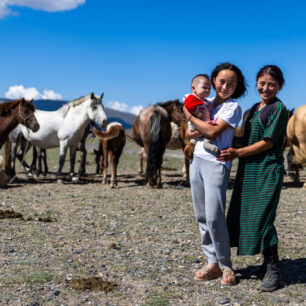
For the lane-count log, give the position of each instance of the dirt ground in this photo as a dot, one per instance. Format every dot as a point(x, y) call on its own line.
point(85, 243)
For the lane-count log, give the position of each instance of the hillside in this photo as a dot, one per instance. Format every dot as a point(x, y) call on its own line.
point(126, 119)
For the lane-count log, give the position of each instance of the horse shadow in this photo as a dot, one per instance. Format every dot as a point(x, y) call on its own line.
point(293, 271)
point(286, 185)
point(292, 185)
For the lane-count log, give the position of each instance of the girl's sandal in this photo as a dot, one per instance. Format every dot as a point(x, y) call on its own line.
point(207, 274)
point(228, 277)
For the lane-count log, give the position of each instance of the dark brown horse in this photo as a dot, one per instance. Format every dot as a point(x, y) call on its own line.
point(152, 131)
point(15, 112)
point(112, 142)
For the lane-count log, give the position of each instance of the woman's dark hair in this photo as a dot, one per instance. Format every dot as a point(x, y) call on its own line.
point(241, 85)
point(274, 71)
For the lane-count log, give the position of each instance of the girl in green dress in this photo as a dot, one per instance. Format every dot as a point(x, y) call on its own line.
point(259, 177)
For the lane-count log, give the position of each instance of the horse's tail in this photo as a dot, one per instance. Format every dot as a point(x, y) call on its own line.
point(8, 161)
point(112, 133)
point(299, 157)
point(156, 147)
point(131, 138)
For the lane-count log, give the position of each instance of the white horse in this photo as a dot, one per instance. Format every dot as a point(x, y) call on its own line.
point(64, 128)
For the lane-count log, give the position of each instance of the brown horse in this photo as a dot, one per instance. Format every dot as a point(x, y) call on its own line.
point(15, 112)
point(296, 137)
point(3, 176)
point(152, 131)
point(112, 143)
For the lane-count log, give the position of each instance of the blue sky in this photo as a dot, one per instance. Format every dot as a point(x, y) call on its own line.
point(140, 53)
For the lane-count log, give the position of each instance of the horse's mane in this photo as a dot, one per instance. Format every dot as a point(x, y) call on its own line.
point(168, 103)
point(64, 109)
point(7, 106)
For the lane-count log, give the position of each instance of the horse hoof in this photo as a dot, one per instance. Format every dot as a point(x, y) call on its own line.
point(59, 181)
point(75, 179)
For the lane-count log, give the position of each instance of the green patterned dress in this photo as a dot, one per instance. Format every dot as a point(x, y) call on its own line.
point(258, 182)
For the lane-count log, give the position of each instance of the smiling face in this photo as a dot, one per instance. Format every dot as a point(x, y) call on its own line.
point(267, 87)
point(225, 84)
point(201, 87)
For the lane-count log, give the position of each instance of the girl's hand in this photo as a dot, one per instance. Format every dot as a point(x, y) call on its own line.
point(194, 134)
point(227, 155)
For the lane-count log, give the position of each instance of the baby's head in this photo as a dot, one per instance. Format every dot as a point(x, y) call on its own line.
point(201, 85)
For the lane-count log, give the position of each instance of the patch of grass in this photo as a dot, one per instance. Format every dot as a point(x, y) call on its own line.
point(39, 278)
point(156, 301)
point(162, 299)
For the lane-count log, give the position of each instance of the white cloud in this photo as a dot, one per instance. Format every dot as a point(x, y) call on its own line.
point(120, 106)
point(51, 95)
point(19, 91)
point(136, 109)
point(44, 5)
point(123, 107)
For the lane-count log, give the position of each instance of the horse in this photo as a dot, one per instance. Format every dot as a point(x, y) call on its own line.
point(296, 137)
point(152, 131)
point(16, 112)
point(3, 176)
point(111, 143)
point(65, 127)
point(177, 141)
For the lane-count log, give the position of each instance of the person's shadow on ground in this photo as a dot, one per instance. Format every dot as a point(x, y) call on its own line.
point(292, 271)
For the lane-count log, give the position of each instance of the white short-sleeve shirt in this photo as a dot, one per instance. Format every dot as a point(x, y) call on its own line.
point(230, 112)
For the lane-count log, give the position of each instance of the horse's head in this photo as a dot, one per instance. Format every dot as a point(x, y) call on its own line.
point(174, 109)
point(26, 115)
point(96, 112)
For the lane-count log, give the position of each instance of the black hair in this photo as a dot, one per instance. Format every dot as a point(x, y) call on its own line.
point(241, 84)
point(274, 71)
point(206, 76)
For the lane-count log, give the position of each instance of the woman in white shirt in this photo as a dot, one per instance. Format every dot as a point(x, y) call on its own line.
point(209, 177)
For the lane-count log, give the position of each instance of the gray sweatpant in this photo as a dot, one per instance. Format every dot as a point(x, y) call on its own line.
point(208, 182)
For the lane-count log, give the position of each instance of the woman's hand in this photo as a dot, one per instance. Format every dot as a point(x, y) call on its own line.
point(227, 154)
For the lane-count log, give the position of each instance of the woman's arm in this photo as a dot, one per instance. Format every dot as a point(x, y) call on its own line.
point(209, 130)
point(255, 148)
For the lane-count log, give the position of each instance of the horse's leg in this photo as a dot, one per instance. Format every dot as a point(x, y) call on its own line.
point(114, 163)
point(34, 159)
point(140, 161)
point(63, 151)
point(44, 158)
point(39, 165)
point(8, 159)
point(158, 180)
point(187, 165)
point(13, 154)
point(293, 169)
point(83, 154)
point(72, 160)
point(25, 146)
point(105, 163)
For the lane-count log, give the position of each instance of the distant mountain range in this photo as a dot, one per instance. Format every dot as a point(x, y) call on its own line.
point(126, 119)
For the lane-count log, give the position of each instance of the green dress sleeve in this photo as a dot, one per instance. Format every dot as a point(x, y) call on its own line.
point(277, 123)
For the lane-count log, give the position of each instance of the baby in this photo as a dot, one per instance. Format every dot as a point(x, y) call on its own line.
point(201, 108)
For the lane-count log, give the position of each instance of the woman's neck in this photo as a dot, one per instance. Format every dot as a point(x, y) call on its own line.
point(218, 101)
point(264, 103)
